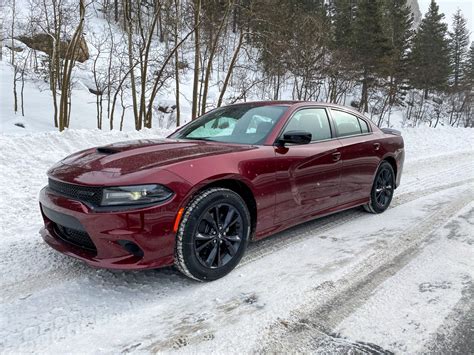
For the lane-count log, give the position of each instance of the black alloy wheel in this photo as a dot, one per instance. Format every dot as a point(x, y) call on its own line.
point(382, 190)
point(384, 187)
point(218, 236)
point(212, 235)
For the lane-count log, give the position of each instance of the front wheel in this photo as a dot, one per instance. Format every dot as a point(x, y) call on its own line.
point(213, 235)
point(382, 190)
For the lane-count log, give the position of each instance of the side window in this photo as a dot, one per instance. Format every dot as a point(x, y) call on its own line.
point(364, 126)
point(346, 124)
point(311, 120)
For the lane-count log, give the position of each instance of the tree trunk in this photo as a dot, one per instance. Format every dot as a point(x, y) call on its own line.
point(116, 12)
point(158, 83)
point(22, 91)
point(197, 10)
point(212, 52)
point(176, 63)
point(231, 69)
point(143, 116)
point(69, 61)
point(129, 29)
point(364, 100)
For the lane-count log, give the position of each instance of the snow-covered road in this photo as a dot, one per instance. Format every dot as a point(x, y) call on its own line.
point(401, 281)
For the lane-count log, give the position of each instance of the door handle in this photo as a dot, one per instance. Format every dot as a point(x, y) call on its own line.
point(376, 146)
point(336, 156)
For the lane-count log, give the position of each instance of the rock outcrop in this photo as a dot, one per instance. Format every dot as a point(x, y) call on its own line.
point(43, 42)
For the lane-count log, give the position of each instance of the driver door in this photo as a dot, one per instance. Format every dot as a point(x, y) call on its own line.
point(307, 176)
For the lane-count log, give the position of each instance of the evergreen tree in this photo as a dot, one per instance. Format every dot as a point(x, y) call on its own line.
point(459, 43)
point(469, 69)
point(370, 45)
point(468, 83)
point(399, 18)
point(430, 55)
point(342, 15)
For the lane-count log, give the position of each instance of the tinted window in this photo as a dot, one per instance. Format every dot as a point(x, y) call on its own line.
point(314, 121)
point(364, 126)
point(247, 124)
point(346, 124)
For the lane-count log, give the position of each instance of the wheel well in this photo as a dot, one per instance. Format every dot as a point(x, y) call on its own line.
point(243, 191)
point(393, 163)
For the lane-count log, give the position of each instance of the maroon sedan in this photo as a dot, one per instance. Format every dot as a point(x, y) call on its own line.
point(238, 173)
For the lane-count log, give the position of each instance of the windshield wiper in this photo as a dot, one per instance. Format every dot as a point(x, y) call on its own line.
point(199, 138)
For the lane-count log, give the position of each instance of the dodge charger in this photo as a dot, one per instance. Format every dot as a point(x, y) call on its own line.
point(236, 174)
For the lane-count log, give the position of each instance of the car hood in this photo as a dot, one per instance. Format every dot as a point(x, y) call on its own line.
point(133, 156)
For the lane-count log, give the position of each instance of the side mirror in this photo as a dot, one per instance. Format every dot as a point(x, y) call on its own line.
point(295, 137)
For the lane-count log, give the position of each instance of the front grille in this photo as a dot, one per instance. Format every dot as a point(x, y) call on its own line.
point(88, 194)
point(78, 238)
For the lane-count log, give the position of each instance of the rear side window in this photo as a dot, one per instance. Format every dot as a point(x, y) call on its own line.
point(364, 126)
point(311, 120)
point(346, 124)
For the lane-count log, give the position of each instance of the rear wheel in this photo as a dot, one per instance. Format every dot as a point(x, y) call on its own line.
point(213, 234)
point(382, 190)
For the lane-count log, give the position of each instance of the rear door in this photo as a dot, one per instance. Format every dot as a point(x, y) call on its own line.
point(307, 176)
point(358, 154)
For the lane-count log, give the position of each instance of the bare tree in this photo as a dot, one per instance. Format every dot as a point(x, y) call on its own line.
point(213, 44)
point(101, 77)
point(159, 77)
point(197, 14)
point(12, 59)
point(176, 61)
point(69, 61)
point(231, 68)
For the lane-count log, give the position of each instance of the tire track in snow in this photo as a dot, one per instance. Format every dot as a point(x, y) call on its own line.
point(45, 329)
point(312, 325)
point(456, 335)
point(182, 334)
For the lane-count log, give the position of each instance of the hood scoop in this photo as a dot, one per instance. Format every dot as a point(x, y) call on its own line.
point(107, 150)
point(120, 147)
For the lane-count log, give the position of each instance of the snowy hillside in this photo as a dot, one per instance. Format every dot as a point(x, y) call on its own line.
point(232, 66)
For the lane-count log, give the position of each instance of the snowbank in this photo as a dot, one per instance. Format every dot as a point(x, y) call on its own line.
point(24, 161)
point(425, 142)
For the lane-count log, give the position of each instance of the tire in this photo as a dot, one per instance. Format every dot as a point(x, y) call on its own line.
point(212, 235)
point(382, 189)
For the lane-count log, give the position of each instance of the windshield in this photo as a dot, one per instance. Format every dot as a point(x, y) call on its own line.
point(245, 124)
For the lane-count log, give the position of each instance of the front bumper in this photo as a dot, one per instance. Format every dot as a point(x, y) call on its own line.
point(151, 229)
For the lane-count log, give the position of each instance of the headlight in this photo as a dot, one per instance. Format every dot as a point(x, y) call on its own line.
point(135, 195)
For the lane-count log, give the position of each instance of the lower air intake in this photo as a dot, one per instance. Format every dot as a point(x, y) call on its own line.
point(78, 238)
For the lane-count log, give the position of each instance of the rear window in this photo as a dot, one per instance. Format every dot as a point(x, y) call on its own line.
point(346, 124)
point(363, 125)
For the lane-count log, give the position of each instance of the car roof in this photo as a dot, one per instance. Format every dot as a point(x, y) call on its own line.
point(299, 103)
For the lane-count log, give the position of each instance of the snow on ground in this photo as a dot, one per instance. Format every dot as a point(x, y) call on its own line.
point(436, 278)
point(51, 303)
point(280, 277)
